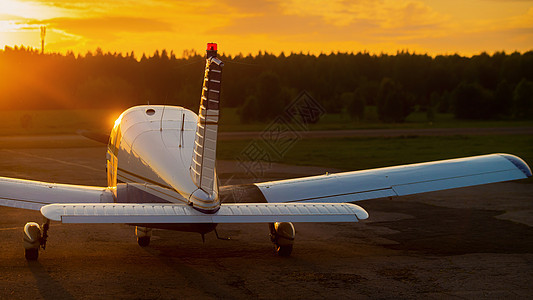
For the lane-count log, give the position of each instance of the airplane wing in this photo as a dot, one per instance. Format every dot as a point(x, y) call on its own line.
point(33, 195)
point(150, 213)
point(397, 181)
point(332, 188)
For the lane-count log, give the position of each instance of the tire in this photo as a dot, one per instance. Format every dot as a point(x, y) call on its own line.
point(284, 251)
point(31, 254)
point(143, 241)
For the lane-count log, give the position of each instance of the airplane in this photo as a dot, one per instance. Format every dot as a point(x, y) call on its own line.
point(161, 173)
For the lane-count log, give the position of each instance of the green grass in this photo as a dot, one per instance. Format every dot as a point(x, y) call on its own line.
point(366, 153)
point(69, 121)
point(40, 122)
point(342, 121)
point(340, 153)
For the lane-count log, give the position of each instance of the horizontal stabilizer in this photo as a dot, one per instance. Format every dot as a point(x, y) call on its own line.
point(228, 213)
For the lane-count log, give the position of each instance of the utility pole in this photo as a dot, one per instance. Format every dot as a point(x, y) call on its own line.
point(43, 34)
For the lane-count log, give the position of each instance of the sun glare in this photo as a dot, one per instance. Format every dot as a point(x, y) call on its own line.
point(27, 10)
point(20, 21)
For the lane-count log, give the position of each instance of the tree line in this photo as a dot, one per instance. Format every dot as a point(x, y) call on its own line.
point(484, 86)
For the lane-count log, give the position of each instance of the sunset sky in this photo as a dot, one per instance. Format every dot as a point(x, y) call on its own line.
point(424, 26)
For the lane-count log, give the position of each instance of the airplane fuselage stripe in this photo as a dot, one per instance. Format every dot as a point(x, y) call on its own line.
point(145, 179)
point(153, 189)
point(22, 200)
point(122, 175)
point(168, 195)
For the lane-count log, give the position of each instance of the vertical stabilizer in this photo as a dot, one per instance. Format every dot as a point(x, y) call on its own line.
point(204, 155)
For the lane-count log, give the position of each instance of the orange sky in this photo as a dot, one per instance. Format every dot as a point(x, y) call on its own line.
point(424, 26)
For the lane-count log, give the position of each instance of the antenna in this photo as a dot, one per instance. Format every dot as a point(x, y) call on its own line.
point(43, 34)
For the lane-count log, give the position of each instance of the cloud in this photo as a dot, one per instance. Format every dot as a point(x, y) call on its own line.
point(247, 6)
point(124, 6)
point(8, 17)
point(412, 15)
point(289, 25)
point(337, 12)
point(73, 4)
point(361, 21)
point(103, 27)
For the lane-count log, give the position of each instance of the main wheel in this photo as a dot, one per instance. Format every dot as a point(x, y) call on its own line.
point(31, 254)
point(284, 250)
point(143, 241)
point(282, 236)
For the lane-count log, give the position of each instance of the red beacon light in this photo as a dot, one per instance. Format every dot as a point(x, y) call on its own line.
point(212, 46)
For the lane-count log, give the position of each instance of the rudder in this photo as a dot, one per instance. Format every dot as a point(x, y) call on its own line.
point(204, 155)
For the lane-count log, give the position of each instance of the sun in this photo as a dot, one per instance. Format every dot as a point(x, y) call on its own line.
point(20, 21)
point(26, 10)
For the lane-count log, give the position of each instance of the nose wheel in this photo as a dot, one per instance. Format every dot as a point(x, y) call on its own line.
point(282, 236)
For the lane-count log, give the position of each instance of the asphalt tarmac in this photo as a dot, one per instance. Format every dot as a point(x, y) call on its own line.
point(467, 243)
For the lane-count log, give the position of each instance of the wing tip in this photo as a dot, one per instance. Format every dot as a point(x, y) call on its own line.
point(360, 213)
point(518, 162)
point(51, 212)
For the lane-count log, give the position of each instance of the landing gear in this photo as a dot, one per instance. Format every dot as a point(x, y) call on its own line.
point(282, 236)
point(143, 235)
point(35, 237)
point(143, 241)
point(31, 254)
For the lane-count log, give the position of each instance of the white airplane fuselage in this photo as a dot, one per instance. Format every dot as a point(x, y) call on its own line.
point(148, 160)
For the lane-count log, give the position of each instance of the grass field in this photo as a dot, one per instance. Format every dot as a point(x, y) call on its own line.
point(364, 153)
point(340, 153)
point(230, 122)
point(39, 122)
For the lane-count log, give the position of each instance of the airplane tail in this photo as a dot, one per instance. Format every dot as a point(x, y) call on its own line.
point(205, 144)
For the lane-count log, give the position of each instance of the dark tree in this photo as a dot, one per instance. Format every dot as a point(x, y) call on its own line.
point(249, 111)
point(471, 101)
point(523, 100)
point(101, 80)
point(356, 107)
point(393, 103)
point(503, 98)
